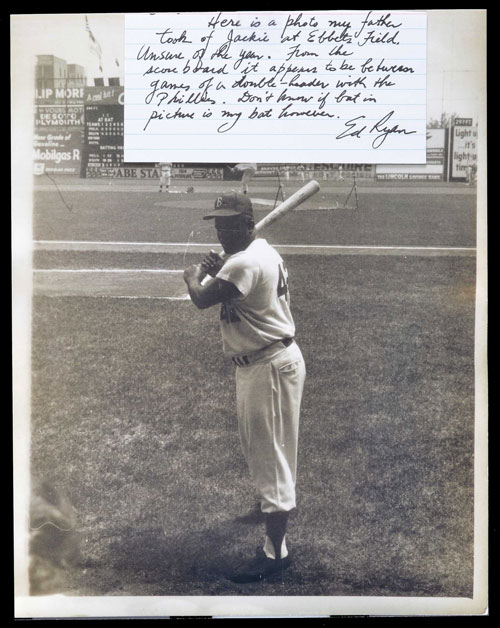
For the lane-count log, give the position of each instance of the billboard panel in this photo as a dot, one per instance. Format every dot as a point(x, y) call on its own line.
point(203, 172)
point(432, 170)
point(128, 171)
point(57, 152)
point(60, 115)
point(58, 130)
point(463, 149)
point(153, 171)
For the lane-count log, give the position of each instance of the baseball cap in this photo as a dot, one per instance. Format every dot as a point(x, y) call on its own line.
point(231, 204)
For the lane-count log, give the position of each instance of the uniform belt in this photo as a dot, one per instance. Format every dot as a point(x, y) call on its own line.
point(246, 360)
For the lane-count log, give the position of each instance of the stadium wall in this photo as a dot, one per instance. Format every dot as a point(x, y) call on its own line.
point(80, 130)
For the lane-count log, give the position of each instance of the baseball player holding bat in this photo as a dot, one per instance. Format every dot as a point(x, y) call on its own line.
point(250, 283)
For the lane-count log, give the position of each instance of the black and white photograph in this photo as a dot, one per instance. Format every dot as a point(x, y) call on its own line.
point(249, 335)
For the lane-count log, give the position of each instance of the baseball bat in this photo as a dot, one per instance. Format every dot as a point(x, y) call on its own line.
point(297, 198)
point(293, 201)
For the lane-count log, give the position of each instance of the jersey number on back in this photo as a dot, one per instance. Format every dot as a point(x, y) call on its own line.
point(282, 281)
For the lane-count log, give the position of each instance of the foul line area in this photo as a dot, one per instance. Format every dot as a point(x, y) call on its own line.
point(168, 284)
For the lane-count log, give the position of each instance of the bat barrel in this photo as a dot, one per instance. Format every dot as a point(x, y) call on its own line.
point(293, 201)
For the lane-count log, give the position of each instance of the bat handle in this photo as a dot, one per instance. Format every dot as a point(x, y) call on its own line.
point(207, 276)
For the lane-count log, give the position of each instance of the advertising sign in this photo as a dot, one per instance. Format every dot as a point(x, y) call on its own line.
point(57, 145)
point(409, 174)
point(59, 107)
point(197, 173)
point(435, 147)
point(58, 116)
point(103, 95)
point(463, 149)
point(59, 95)
point(151, 171)
point(432, 170)
point(127, 171)
point(56, 151)
point(360, 171)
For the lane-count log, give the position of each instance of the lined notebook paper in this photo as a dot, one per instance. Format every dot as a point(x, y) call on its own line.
point(313, 87)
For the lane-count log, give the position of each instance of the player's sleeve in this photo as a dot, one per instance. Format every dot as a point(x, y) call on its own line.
point(241, 274)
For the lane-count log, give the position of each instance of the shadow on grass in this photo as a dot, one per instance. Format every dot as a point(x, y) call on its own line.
point(198, 563)
point(147, 562)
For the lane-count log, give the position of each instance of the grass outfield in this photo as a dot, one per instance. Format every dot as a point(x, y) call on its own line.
point(133, 417)
point(392, 219)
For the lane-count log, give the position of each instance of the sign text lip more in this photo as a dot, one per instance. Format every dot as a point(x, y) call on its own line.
point(59, 92)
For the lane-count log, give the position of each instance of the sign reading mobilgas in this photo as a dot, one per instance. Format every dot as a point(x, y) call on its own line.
point(57, 152)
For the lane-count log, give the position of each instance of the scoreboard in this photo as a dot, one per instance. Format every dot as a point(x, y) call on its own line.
point(103, 130)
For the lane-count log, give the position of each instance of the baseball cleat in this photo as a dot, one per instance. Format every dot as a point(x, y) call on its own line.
point(261, 568)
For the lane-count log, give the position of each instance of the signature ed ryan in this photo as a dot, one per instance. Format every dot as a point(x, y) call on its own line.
point(355, 128)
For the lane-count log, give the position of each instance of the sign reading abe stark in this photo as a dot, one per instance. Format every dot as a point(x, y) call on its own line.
point(316, 87)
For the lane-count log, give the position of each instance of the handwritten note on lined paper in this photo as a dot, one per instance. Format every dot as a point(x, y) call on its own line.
point(312, 87)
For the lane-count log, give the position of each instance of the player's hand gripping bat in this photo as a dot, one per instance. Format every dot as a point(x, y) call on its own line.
point(214, 261)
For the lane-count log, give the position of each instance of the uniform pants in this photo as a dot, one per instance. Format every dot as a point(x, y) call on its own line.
point(268, 396)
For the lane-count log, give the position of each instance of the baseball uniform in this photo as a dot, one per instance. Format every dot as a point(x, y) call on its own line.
point(270, 373)
point(165, 174)
point(248, 171)
point(257, 328)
